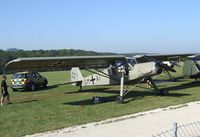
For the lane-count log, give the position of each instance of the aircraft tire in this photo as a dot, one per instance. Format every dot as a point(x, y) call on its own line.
point(163, 92)
point(119, 100)
point(174, 80)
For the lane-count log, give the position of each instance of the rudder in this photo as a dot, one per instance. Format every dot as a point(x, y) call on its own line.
point(76, 75)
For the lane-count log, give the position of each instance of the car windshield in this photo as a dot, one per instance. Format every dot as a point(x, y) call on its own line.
point(15, 76)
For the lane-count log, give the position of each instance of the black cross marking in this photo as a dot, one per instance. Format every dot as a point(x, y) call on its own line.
point(93, 79)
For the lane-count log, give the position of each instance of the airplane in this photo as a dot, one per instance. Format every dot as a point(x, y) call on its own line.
point(191, 67)
point(107, 70)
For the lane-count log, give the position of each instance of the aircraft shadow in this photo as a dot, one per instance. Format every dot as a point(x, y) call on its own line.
point(40, 89)
point(28, 101)
point(98, 90)
point(130, 97)
point(183, 86)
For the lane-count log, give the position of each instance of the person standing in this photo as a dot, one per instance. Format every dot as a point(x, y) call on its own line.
point(4, 90)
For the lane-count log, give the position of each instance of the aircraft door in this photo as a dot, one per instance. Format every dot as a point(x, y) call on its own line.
point(134, 72)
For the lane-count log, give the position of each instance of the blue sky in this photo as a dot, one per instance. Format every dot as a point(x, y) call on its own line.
point(164, 26)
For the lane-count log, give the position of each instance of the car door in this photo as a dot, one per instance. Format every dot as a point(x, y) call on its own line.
point(39, 79)
point(34, 78)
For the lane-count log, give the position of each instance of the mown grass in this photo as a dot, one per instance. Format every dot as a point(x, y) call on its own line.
point(61, 106)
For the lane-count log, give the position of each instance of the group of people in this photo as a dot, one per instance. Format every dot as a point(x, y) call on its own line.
point(4, 91)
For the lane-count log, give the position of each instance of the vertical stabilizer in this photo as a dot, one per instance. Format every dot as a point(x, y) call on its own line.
point(76, 75)
point(190, 68)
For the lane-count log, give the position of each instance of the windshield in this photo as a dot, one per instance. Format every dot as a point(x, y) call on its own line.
point(197, 63)
point(18, 76)
point(143, 60)
point(132, 61)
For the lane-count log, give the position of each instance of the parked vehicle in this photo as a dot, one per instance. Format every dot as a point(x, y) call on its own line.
point(28, 80)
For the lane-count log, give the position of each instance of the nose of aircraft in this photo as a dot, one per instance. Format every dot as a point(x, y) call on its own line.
point(159, 71)
point(159, 68)
point(164, 66)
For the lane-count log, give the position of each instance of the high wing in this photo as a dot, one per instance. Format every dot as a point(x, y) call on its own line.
point(170, 57)
point(66, 62)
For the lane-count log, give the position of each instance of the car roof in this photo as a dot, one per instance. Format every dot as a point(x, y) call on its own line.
point(24, 72)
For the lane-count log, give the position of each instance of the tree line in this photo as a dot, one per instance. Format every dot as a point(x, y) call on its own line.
point(12, 53)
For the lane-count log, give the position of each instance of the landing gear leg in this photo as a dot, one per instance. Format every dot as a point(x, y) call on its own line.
point(80, 85)
point(120, 99)
point(170, 76)
point(81, 88)
point(159, 92)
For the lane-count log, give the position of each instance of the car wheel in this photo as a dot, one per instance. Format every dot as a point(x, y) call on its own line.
point(45, 84)
point(33, 88)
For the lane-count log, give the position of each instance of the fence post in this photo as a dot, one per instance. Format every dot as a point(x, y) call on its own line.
point(175, 129)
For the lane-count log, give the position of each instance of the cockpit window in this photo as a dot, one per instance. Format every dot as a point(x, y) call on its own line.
point(142, 60)
point(119, 63)
point(132, 61)
point(197, 63)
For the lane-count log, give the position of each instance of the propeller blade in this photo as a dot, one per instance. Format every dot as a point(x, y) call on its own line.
point(168, 68)
point(161, 64)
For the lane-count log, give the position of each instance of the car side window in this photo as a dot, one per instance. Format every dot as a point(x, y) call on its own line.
point(33, 75)
point(38, 75)
point(28, 75)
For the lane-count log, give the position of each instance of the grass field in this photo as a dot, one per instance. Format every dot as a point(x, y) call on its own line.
point(60, 106)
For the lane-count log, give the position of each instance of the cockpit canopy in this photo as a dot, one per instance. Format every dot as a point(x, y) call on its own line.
point(138, 59)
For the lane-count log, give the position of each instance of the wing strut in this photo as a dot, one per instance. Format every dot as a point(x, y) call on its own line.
point(170, 76)
point(158, 91)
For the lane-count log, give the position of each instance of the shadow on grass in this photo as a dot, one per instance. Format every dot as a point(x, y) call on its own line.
point(134, 95)
point(183, 86)
point(176, 79)
point(96, 90)
point(28, 101)
point(130, 97)
point(39, 89)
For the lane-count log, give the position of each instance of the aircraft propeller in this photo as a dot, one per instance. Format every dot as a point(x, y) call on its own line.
point(167, 68)
point(161, 64)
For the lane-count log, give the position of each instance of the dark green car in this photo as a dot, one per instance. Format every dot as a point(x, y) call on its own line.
point(28, 80)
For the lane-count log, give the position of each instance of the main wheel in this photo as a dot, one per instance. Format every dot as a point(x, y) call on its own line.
point(119, 100)
point(162, 92)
